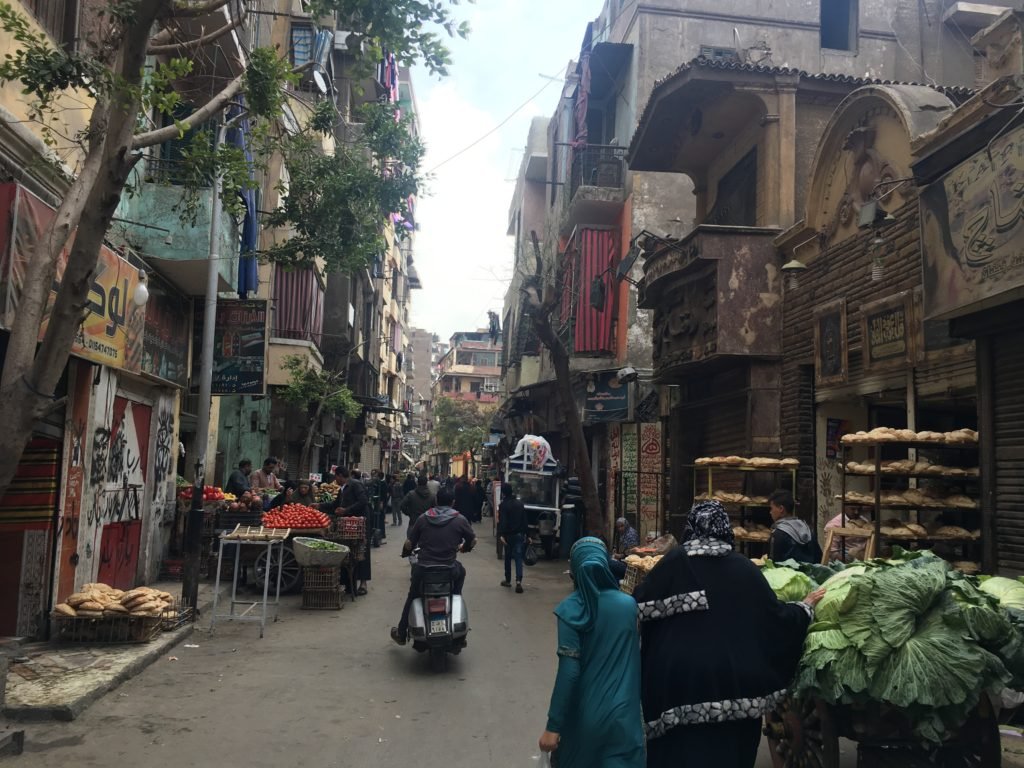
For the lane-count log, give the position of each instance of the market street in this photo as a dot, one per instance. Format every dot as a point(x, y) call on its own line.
point(330, 690)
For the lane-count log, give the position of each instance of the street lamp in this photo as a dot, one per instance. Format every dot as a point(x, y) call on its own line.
point(141, 294)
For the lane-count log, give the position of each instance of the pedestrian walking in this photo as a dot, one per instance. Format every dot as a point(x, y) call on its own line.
point(464, 498)
point(397, 494)
point(718, 648)
point(792, 538)
point(409, 484)
point(417, 501)
point(594, 720)
point(513, 529)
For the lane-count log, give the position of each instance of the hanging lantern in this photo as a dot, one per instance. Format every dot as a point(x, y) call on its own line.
point(878, 247)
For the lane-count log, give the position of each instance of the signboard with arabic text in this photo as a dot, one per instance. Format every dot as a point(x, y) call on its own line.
point(239, 347)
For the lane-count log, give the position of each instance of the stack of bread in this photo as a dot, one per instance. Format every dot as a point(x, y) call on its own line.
point(757, 462)
point(911, 467)
point(645, 564)
point(890, 435)
point(752, 532)
point(101, 601)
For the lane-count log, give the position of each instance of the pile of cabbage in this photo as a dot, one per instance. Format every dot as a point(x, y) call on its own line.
point(910, 633)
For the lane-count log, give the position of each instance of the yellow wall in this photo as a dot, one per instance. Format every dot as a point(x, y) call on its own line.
point(72, 110)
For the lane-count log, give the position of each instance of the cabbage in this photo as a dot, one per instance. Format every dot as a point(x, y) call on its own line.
point(788, 585)
point(911, 634)
point(1008, 592)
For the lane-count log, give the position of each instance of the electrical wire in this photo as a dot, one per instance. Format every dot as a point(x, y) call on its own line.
point(496, 128)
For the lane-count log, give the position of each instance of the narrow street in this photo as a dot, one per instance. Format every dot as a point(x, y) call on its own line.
point(330, 690)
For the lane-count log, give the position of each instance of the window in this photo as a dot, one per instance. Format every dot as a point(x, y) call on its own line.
point(301, 51)
point(58, 17)
point(736, 201)
point(839, 24)
point(463, 358)
point(475, 386)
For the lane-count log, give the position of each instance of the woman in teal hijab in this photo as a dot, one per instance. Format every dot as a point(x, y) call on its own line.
point(595, 719)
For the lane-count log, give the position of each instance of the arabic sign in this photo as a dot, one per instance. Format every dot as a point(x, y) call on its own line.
point(167, 317)
point(609, 400)
point(111, 332)
point(971, 231)
point(239, 347)
point(630, 465)
point(614, 467)
point(887, 330)
point(830, 350)
point(650, 471)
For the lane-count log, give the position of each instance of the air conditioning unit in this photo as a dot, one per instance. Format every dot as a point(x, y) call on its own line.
point(342, 41)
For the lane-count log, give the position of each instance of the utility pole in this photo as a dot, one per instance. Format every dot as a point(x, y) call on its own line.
point(194, 523)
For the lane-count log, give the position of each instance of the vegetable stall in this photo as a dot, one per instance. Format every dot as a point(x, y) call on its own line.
point(906, 656)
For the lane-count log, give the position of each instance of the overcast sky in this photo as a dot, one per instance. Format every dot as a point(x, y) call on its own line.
point(463, 257)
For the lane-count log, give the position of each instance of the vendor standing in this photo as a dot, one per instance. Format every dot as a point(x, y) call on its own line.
point(352, 502)
point(718, 648)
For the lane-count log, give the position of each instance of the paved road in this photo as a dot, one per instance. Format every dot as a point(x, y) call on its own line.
point(330, 690)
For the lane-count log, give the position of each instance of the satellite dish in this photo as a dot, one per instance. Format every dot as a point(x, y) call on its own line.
point(626, 265)
point(321, 84)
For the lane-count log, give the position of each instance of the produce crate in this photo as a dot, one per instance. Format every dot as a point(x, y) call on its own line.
point(322, 599)
point(308, 556)
point(356, 546)
point(351, 527)
point(108, 630)
point(319, 577)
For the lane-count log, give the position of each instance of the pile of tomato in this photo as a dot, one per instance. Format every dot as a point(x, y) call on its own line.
point(210, 493)
point(295, 516)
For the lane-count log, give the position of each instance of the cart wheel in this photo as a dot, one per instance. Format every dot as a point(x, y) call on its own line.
point(291, 572)
point(802, 732)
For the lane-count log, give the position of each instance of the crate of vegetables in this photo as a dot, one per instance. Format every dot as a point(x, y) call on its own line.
point(318, 552)
point(296, 516)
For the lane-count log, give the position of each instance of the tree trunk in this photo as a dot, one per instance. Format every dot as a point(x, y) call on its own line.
point(307, 447)
point(595, 518)
point(30, 376)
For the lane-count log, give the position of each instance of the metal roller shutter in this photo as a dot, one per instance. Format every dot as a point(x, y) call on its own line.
point(1008, 403)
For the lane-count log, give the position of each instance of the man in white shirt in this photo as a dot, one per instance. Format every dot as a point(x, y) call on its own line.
point(265, 479)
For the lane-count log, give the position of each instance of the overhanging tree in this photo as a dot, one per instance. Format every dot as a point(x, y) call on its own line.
point(320, 393)
point(461, 425)
point(544, 297)
point(111, 68)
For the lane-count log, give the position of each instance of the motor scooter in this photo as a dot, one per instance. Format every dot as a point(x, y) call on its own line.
point(438, 619)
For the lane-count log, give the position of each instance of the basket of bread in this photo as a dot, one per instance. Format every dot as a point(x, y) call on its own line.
point(637, 568)
point(100, 613)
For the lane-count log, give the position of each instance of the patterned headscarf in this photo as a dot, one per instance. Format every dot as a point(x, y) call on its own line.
point(706, 525)
point(588, 564)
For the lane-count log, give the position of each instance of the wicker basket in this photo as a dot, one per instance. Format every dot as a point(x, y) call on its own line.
point(308, 556)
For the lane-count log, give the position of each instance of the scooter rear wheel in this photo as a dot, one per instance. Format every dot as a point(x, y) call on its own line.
point(438, 659)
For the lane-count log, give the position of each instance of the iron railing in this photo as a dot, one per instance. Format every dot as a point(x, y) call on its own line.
point(598, 165)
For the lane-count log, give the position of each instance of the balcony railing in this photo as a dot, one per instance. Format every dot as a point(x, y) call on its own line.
point(598, 165)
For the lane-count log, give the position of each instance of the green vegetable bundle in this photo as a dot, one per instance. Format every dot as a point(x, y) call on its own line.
point(789, 584)
point(911, 634)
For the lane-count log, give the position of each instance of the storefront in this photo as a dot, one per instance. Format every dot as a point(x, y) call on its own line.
point(973, 273)
point(860, 350)
point(94, 496)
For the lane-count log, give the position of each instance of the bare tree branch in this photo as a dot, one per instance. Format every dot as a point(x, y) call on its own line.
point(200, 116)
point(185, 10)
point(191, 45)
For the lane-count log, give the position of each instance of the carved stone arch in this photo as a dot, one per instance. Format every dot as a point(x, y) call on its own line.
point(867, 142)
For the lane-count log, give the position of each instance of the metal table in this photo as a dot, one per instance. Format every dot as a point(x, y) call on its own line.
point(251, 537)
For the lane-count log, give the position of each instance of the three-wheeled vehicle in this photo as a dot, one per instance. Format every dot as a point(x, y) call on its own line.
point(535, 475)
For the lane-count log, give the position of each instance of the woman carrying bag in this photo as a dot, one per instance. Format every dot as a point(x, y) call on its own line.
point(595, 718)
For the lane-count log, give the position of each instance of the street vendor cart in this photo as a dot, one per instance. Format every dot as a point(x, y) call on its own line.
point(534, 475)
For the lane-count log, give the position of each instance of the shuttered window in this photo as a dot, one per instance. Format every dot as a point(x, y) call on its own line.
point(57, 17)
point(1008, 404)
point(298, 305)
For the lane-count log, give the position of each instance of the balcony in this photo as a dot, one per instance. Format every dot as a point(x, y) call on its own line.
point(178, 251)
point(475, 397)
point(686, 282)
point(597, 186)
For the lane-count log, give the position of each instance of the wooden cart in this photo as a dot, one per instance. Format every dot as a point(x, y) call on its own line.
point(806, 733)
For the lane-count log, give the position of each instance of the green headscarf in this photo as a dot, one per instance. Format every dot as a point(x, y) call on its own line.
point(588, 564)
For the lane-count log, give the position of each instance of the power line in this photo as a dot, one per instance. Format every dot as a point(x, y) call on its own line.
point(496, 128)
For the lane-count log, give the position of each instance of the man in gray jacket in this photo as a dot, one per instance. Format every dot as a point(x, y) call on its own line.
point(792, 538)
point(440, 534)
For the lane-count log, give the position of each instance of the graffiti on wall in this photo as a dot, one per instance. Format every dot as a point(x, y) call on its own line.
point(162, 450)
point(98, 468)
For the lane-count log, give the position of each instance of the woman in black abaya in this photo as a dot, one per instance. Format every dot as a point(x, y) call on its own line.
point(718, 649)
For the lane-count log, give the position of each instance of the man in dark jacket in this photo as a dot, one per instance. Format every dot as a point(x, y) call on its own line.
point(351, 502)
point(464, 498)
point(513, 528)
point(238, 481)
point(440, 533)
point(792, 538)
point(417, 502)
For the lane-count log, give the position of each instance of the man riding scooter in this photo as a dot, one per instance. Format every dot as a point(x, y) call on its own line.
point(439, 534)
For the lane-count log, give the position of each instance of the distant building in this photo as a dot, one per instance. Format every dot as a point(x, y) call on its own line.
point(471, 368)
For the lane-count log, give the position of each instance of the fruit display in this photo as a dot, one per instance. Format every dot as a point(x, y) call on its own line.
point(210, 493)
point(295, 516)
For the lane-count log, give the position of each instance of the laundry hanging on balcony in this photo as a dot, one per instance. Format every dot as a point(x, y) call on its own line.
point(248, 269)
